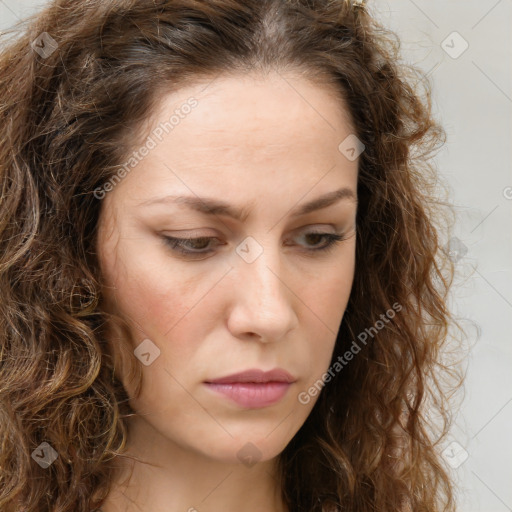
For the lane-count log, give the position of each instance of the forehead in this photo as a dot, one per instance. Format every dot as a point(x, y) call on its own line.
point(245, 132)
point(256, 109)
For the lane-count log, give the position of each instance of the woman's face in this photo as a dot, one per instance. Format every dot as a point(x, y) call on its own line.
point(253, 293)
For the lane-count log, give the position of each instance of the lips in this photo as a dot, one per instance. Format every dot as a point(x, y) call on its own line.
point(253, 389)
point(276, 375)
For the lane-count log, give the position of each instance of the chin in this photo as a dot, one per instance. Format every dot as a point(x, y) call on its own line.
point(245, 449)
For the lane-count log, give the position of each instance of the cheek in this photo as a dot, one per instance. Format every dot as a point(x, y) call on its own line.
point(174, 304)
point(327, 292)
point(323, 310)
point(167, 306)
point(151, 290)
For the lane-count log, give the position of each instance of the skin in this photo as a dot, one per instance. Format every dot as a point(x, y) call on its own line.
point(268, 143)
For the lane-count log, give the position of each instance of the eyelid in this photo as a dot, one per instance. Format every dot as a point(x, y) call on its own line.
point(338, 228)
point(331, 239)
point(314, 227)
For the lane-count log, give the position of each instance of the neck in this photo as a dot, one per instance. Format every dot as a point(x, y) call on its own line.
point(174, 479)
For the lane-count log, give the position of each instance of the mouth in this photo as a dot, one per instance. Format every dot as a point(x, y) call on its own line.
point(253, 389)
point(256, 376)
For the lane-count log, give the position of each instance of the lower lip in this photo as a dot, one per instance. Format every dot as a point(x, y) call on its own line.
point(252, 394)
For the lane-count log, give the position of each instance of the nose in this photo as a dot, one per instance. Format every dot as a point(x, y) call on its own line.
point(263, 304)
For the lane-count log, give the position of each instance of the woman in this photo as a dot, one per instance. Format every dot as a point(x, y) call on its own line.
point(190, 318)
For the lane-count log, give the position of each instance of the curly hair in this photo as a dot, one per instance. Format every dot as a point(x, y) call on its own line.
point(72, 106)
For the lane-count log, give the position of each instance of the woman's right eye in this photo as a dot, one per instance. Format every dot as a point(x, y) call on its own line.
point(189, 246)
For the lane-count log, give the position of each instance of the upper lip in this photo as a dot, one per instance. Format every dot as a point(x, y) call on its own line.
point(256, 375)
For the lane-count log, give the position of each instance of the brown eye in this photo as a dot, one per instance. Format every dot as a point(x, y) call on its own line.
point(315, 236)
point(189, 246)
point(330, 240)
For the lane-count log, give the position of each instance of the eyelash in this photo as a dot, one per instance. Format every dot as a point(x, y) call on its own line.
point(174, 243)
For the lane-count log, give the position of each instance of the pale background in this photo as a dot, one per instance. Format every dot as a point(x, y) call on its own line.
point(473, 100)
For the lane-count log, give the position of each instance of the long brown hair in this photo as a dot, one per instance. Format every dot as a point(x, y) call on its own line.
point(75, 86)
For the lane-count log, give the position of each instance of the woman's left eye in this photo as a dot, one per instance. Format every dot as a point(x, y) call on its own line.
point(330, 240)
point(201, 245)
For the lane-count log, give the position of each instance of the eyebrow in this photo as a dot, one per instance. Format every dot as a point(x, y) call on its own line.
point(211, 206)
